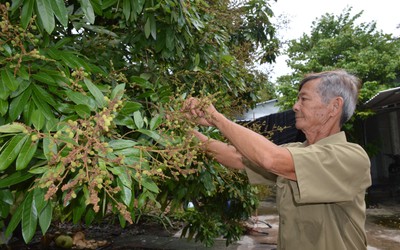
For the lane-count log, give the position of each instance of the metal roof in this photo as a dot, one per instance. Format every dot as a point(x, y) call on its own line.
point(384, 99)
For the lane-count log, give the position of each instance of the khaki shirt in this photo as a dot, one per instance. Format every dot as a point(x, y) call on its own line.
point(325, 207)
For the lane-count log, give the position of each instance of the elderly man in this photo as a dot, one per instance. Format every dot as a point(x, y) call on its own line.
point(321, 182)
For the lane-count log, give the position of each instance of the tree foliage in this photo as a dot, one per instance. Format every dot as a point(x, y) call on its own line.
point(89, 102)
point(340, 42)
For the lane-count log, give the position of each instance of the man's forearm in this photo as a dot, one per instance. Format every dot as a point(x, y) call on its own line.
point(225, 154)
point(222, 152)
point(257, 148)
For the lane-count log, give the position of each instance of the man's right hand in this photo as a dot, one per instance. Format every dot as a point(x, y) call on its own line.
point(199, 112)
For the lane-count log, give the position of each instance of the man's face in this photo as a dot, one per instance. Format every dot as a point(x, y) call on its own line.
point(311, 113)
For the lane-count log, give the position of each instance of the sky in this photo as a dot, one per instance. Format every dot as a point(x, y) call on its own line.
point(302, 13)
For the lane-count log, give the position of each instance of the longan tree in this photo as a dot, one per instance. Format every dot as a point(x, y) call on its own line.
point(90, 93)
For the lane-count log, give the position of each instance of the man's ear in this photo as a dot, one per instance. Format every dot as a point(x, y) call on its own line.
point(337, 105)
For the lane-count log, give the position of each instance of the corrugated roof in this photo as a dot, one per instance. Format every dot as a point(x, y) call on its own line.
point(385, 98)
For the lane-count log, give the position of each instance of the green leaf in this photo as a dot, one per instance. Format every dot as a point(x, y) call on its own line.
point(139, 5)
point(95, 91)
point(60, 11)
point(108, 3)
point(116, 170)
point(45, 14)
point(147, 28)
point(126, 192)
point(121, 144)
point(126, 9)
point(6, 196)
point(118, 92)
point(9, 80)
point(15, 220)
point(43, 106)
point(197, 59)
point(81, 99)
point(141, 81)
point(29, 218)
point(24, 74)
point(153, 29)
point(124, 120)
point(12, 150)
point(6, 200)
point(90, 216)
point(15, 178)
point(39, 170)
point(51, 124)
point(66, 139)
point(88, 10)
point(122, 221)
point(26, 13)
point(97, 6)
point(155, 121)
point(26, 154)
point(15, 5)
point(18, 104)
point(24, 86)
point(4, 90)
point(124, 177)
point(44, 95)
point(44, 78)
point(38, 119)
point(62, 42)
point(149, 184)
point(49, 148)
point(45, 217)
point(14, 127)
point(38, 196)
point(78, 209)
point(82, 110)
point(4, 212)
point(131, 154)
point(130, 107)
point(137, 117)
point(66, 57)
point(152, 134)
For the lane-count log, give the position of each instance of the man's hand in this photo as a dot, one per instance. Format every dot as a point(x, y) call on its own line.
point(199, 111)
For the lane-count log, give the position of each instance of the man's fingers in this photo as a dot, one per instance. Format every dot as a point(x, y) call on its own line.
point(194, 110)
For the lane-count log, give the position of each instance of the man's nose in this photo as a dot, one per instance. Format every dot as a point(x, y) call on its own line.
point(296, 106)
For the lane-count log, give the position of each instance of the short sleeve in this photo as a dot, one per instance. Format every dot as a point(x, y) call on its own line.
point(329, 173)
point(258, 175)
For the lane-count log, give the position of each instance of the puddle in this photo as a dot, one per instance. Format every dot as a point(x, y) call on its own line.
point(389, 221)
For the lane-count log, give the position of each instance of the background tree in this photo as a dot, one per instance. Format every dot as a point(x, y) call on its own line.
point(89, 94)
point(340, 42)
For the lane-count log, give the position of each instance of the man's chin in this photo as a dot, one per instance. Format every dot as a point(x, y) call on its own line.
point(298, 126)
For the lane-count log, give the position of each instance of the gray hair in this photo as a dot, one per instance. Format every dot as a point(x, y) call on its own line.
point(337, 83)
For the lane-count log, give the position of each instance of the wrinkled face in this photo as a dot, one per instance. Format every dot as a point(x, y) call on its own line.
point(311, 113)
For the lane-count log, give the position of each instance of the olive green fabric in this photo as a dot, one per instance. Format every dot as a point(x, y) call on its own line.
point(325, 208)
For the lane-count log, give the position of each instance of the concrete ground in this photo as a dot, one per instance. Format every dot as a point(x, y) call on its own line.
point(264, 229)
point(383, 227)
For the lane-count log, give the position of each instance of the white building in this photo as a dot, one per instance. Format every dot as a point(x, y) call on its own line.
point(260, 110)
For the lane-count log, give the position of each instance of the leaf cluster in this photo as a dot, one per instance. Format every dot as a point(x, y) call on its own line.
point(90, 95)
point(342, 42)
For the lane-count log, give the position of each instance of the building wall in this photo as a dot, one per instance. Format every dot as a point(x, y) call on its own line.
point(382, 131)
point(260, 110)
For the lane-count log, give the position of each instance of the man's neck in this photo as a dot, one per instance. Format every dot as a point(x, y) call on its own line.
point(313, 137)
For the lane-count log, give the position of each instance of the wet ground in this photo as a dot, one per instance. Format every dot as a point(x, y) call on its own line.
point(382, 227)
